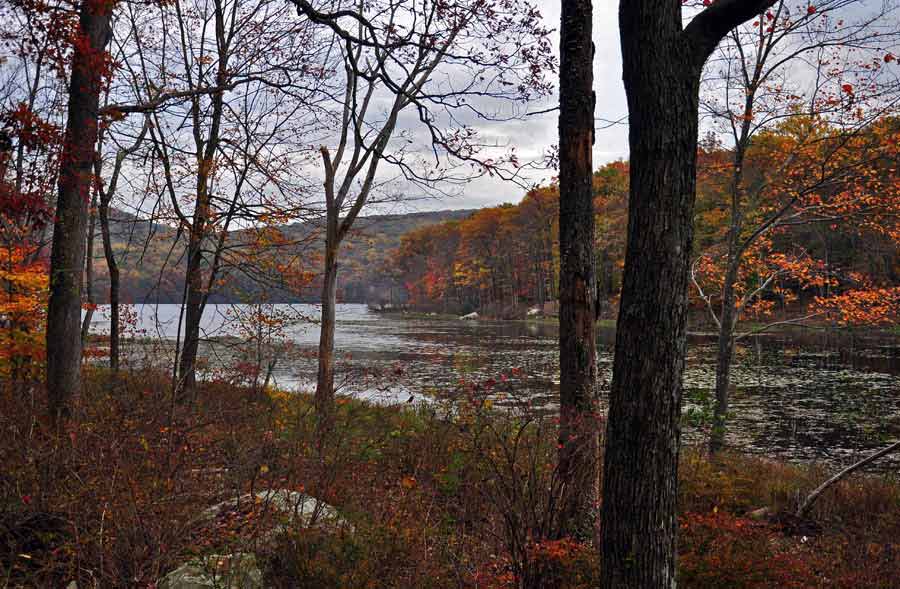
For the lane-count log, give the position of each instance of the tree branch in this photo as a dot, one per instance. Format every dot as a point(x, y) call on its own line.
point(709, 27)
point(807, 504)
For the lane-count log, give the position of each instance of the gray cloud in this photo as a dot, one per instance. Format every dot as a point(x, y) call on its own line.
point(533, 135)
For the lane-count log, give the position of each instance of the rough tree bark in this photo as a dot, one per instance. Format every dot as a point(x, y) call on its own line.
point(70, 224)
point(661, 69)
point(579, 442)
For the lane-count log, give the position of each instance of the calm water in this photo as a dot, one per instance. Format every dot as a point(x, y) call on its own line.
point(802, 396)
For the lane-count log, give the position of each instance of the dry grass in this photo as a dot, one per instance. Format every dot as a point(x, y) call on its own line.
point(435, 501)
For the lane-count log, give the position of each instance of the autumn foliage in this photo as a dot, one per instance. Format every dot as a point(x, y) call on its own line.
point(23, 269)
point(23, 309)
point(504, 258)
point(821, 222)
point(831, 257)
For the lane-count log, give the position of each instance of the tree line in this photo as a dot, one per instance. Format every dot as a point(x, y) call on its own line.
point(833, 241)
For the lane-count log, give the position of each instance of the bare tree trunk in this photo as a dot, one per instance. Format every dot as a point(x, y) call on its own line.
point(579, 440)
point(325, 381)
point(67, 254)
point(89, 272)
point(662, 62)
point(807, 504)
point(729, 313)
point(724, 356)
point(113, 268)
point(206, 152)
point(605, 278)
point(193, 313)
point(194, 288)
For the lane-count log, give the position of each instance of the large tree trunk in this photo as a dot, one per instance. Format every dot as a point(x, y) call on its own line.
point(661, 70)
point(67, 255)
point(641, 462)
point(325, 380)
point(113, 268)
point(579, 442)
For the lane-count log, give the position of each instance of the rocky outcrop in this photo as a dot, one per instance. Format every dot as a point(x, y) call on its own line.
point(303, 510)
point(239, 570)
point(219, 571)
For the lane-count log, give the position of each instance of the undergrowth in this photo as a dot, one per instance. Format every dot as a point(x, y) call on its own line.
point(450, 495)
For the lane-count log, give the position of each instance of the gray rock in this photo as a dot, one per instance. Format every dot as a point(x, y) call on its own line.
point(472, 315)
point(302, 509)
point(218, 571)
point(760, 514)
point(240, 570)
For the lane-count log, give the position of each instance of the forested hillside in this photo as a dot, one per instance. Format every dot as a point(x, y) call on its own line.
point(285, 270)
point(815, 231)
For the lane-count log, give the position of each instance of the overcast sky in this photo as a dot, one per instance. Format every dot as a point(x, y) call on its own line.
point(535, 134)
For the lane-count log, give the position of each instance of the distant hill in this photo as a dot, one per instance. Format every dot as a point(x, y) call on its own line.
point(151, 259)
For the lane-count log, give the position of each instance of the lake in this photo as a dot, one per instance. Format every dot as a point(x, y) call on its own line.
point(800, 396)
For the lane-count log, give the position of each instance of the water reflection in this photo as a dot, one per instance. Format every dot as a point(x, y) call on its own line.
point(801, 396)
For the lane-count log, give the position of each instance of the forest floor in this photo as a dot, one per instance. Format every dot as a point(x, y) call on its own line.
point(437, 496)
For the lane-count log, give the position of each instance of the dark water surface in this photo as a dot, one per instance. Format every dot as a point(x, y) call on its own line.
point(800, 396)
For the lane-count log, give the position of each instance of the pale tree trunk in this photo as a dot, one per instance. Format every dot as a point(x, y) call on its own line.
point(70, 225)
point(579, 441)
point(807, 503)
point(662, 63)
